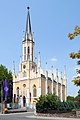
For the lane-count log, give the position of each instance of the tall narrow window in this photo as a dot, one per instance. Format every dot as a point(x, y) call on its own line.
point(28, 52)
point(24, 53)
point(32, 53)
point(34, 91)
point(17, 91)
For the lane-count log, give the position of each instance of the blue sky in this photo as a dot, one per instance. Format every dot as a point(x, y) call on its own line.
point(51, 21)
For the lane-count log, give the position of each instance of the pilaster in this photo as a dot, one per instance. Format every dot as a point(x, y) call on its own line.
point(57, 82)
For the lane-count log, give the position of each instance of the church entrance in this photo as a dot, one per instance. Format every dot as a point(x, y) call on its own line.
point(24, 101)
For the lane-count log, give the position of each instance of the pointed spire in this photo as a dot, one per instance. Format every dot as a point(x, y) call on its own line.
point(39, 64)
point(52, 73)
point(61, 79)
point(13, 67)
point(57, 79)
point(61, 92)
point(65, 81)
point(39, 60)
point(57, 75)
point(28, 24)
point(52, 69)
point(28, 27)
point(65, 76)
point(20, 65)
point(46, 70)
point(46, 67)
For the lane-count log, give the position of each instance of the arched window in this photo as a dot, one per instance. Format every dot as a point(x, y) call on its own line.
point(28, 50)
point(28, 57)
point(17, 91)
point(24, 101)
point(24, 89)
point(32, 53)
point(24, 85)
point(34, 90)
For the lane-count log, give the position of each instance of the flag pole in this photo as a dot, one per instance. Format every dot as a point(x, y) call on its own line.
point(2, 97)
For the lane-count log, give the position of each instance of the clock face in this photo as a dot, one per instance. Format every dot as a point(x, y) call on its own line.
point(24, 66)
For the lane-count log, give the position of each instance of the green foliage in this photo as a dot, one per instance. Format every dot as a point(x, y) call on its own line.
point(70, 98)
point(76, 81)
point(52, 104)
point(77, 98)
point(66, 106)
point(73, 55)
point(79, 93)
point(75, 33)
point(5, 74)
point(47, 103)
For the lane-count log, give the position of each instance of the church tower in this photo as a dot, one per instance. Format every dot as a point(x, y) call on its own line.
point(28, 62)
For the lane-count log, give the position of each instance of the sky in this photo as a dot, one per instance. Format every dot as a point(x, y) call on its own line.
point(51, 21)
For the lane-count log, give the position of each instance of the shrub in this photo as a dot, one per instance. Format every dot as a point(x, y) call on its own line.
point(51, 103)
point(46, 104)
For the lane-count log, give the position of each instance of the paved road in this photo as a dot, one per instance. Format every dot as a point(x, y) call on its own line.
point(29, 116)
point(16, 116)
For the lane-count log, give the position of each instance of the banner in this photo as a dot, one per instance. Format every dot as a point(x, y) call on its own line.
point(6, 88)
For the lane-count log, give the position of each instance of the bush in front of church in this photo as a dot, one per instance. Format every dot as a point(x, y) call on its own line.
point(52, 104)
point(48, 103)
point(67, 106)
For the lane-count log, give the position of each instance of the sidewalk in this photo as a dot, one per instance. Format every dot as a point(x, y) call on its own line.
point(40, 117)
point(52, 118)
point(19, 110)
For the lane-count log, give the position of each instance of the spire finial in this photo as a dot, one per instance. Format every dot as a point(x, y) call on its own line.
point(39, 52)
point(46, 66)
point(61, 75)
point(28, 7)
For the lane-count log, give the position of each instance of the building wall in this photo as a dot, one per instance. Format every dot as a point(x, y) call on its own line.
point(49, 85)
point(63, 92)
point(43, 85)
point(59, 90)
point(54, 87)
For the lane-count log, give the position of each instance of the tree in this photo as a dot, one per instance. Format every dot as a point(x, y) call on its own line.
point(77, 98)
point(5, 74)
point(70, 98)
point(73, 55)
point(79, 93)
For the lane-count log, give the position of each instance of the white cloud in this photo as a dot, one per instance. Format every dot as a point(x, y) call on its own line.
point(53, 59)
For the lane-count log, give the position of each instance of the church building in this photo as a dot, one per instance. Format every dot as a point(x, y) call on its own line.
point(30, 82)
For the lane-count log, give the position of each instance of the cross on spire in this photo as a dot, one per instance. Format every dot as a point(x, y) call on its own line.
point(28, 8)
